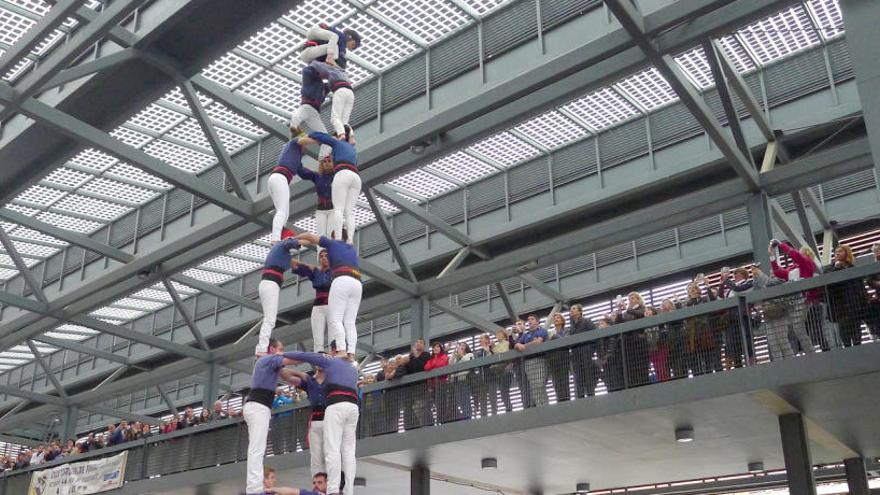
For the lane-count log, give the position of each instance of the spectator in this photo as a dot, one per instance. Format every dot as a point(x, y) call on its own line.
point(734, 349)
point(702, 351)
point(23, 460)
point(873, 311)
point(418, 412)
point(392, 399)
point(559, 361)
point(847, 300)
point(188, 420)
point(810, 314)
point(437, 396)
point(519, 328)
point(482, 380)
point(111, 437)
point(532, 375)
point(503, 372)
point(461, 382)
point(70, 448)
point(205, 416)
point(52, 452)
point(282, 399)
point(146, 430)
point(585, 373)
point(220, 411)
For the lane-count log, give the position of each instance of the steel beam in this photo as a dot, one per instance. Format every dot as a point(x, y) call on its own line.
point(166, 399)
point(861, 19)
point(68, 236)
point(140, 337)
point(456, 261)
point(467, 316)
point(240, 106)
point(33, 396)
point(111, 377)
point(508, 304)
point(389, 236)
point(74, 346)
point(44, 27)
point(420, 480)
point(388, 278)
point(187, 317)
point(796, 450)
point(804, 222)
point(543, 288)
point(736, 82)
point(114, 413)
point(91, 67)
point(856, 476)
point(634, 24)
point(218, 291)
point(74, 128)
point(721, 86)
point(22, 267)
point(47, 370)
point(781, 220)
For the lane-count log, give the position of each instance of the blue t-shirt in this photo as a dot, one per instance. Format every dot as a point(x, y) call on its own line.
point(291, 157)
point(321, 279)
point(266, 371)
point(343, 151)
point(530, 335)
point(340, 60)
point(338, 372)
point(323, 186)
point(312, 90)
point(316, 393)
point(339, 253)
point(279, 256)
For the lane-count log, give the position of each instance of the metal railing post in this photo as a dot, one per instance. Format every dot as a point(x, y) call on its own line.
point(746, 331)
point(623, 360)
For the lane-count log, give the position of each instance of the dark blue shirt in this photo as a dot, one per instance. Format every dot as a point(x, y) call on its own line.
point(337, 372)
point(279, 256)
point(323, 186)
point(266, 371)
point(339, 253)
point(343, 151)
point(340, 60)
point(316, 393)
point(321, 279)
point(312, 90)
point(290, 160)
point(529, 335)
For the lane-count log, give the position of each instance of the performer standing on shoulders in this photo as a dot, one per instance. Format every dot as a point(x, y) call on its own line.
point(277, 261)
point(269, 482)
point(323, 180)
point(278, 184)
point(312, 93)
point(313, 384)
point(321, 278)
point(343, 95)
point(346, 182)
point(346, 290)
point(329, 44)
point(340, 415)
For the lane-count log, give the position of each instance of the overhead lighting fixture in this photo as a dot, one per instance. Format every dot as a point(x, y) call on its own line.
point(489, 463)
point(756, 467)
point(684, 434)
point(582, 488)
point(360, 481)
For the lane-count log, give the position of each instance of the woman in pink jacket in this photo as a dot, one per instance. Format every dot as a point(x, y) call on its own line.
point(807, 319)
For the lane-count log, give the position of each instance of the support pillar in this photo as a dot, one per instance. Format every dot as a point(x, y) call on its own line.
point(420, 319)
point(211, 387)
point(796, 450)
point(420, 481)
point(856, 476)
point(71, 417)
point(760, 228)
point(861, 18)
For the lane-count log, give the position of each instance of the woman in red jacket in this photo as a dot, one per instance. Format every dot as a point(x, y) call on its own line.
point(807, 321)
point(437, 393)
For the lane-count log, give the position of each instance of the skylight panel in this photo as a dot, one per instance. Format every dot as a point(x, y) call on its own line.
point(176, 98)
point(693, 62)
point(601, 109)
point(71, 328)
point(128, 173)
point(741, 59)
point(230, 264)
point(41, 196)
point(422, 183)
point(37, 236)
point(70, 223)
point(13, 26)
point(66, 178)
point(505, 149)
point(24, 210)
point(272, 43)
point(220, 113)
point(7, 273)
point(233, 142)
point(153, 294)
point(780, 35)
point(190, 132)
point(384, 46)
point(274, 89)
point(430, 20)
point(182, 289)
point(157, 119)
point(132, 137)
point(49, 42)
point(207, 276)
point(828, 17)
point(309, 14)
point(231, 70)
point(18, 69)
point(277, 116)
point(91, 207)
point(93, 160)
point(66, 336)
point(483, 7)
point(648, 88)
point(33, 250)
point(7, 262)
point(462, 166)
point(388, 207)
point(363, 216)
point(43, 348)
point(139, 304)
point(179, 157)
point(251, 251)
point(117, 313)
point(306, 224)
point(551, 129)
point(38, 7)
point(113, 190)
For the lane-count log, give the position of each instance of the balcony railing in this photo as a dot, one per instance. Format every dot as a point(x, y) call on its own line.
point(822, 314)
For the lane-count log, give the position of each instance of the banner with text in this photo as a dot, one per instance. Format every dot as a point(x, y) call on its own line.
point(80, 478)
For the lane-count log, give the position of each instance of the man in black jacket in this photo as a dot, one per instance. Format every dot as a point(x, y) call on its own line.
point(585, 372)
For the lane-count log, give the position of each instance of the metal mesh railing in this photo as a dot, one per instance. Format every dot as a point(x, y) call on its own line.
point(827, 313)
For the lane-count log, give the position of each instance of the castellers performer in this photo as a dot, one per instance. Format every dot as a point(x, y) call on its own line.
point(258, 410)
point(323, 181)
point(319, 485)
point(346, 185)
point(312, 93)
point(313, 384)
point(328, 44)
point(343, 95)
point(345, 289)
point(340, 415)
point(279, 186)
point(321, 278)
point(277, 262)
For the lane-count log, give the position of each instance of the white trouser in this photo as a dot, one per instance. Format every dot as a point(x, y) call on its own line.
point(346, 189)
point(257, 417)
point(279, 191)
point(340, 435)
point(330, 48)
point(316, 447)
point(323, 223)
point(319, 325)
point(269, 293)
point(343, 304)
point(340, 110)
point(312, 119)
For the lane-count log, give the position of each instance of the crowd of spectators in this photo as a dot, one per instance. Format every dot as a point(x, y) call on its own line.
point(812, 321)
